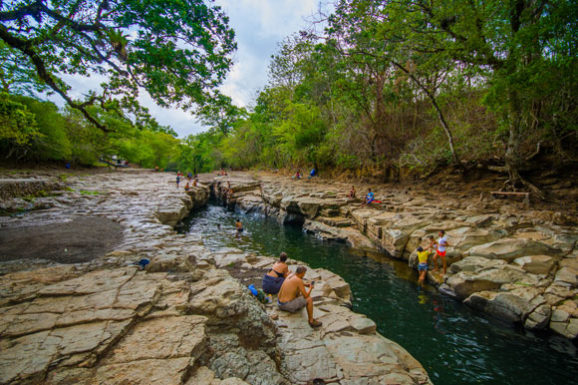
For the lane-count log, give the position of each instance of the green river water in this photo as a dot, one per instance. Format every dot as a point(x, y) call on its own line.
point(455, 344)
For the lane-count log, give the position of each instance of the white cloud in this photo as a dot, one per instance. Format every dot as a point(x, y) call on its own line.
point(260, 26)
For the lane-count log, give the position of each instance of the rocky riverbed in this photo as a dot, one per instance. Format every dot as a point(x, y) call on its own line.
point(506, 259)
point(69, 315)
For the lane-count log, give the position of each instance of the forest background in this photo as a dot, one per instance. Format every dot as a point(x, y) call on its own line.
point(390, 88)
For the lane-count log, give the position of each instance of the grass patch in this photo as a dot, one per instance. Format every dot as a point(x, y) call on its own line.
point(87, 192)
point(523, 284)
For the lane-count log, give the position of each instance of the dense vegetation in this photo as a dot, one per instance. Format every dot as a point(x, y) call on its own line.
point(393, 85)
point(388, 86)
point(176, 51)
point(35, 130)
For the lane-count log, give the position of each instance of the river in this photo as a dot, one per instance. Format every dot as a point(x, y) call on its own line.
point(455, 344)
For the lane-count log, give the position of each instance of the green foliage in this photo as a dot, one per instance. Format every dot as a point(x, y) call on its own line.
point(410, 84)
point(17, 124)
point(52, 141)
point(89, 192)
point(178, 51)
point(414, 84)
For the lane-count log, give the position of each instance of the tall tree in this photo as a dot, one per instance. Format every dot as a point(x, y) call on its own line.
point(515, 44)
point(178, 51)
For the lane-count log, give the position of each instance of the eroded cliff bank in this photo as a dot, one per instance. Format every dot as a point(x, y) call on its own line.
point(506, 259)
point(183, 320)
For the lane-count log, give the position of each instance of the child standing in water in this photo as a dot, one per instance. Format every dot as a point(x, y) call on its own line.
point(422, 256)
point(239, 227)
point(178, 178)
point(441, 244)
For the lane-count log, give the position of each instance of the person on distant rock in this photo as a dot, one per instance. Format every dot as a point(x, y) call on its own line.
point(297, 175)
point(293, 297)
point(187, 187)
point(239, 227)
point(352, 193)
point(422, 256)
point(312, 173)
point(178, 179)
point(190, 176)
point(441, 245)
point(195, 182)
point(273, 280)
point(370, 197)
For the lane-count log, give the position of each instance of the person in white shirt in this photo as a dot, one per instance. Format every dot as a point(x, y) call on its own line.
point(441, 244)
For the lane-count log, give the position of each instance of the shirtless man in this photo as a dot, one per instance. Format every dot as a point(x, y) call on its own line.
point(293, 297)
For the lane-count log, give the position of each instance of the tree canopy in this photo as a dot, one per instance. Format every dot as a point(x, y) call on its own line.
point(178, 51)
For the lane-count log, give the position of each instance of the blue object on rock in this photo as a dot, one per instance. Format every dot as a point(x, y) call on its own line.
point(143, 262)
point(253, 290)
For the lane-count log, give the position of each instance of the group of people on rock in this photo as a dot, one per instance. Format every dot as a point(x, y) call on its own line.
point(369, 197)
point(191, 181)
point(290, 288)
point(298, 175)
point(440, 245)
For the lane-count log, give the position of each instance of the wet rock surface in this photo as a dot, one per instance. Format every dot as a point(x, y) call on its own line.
point(79, 240)
point(183, 320)
point(506, 259)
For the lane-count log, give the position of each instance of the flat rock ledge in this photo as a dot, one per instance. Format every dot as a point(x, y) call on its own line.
point(506, 260)
point(183, 320)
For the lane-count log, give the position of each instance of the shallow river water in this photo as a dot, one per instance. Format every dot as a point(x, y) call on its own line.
point(455, 344)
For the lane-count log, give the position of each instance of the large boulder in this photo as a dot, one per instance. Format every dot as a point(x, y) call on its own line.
point(564, 319)
point(567, 276)
point(539, 318)
point(513, 306)
point(174, 210)
point(394, 241)
point(466, 283)
point(476, 264)
point(464, 238)
point(510, 248)
point(536, 264)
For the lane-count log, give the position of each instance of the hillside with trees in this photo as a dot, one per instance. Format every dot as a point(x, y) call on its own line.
point(389, 87)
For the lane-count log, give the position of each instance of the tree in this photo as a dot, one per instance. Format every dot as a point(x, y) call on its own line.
point(17, 125)
point(219, 113)
point(515, 44)
point(178, 51)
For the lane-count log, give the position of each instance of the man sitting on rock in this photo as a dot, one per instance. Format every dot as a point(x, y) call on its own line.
point(293, 297)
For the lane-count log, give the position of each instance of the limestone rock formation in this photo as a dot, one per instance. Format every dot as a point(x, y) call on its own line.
point(182, 320)
point(494, 249)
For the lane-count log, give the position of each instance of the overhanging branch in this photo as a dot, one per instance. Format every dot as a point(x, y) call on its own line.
point(44, 75)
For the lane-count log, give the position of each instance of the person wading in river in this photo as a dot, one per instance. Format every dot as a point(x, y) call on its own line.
point(293, 297)
point(273, 280)
point(422, 256)
point(239, 227)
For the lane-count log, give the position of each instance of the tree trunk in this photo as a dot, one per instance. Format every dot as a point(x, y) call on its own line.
point(439, 112)
point(513, 159)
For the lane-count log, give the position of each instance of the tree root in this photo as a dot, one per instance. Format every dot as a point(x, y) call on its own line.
point(509, 185)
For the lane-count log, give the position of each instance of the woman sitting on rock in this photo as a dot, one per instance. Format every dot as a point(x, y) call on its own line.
point(273, 280)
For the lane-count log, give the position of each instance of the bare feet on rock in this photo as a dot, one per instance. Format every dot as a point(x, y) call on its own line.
point(315, 324)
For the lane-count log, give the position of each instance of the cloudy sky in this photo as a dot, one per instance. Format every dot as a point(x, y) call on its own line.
point(260, 25)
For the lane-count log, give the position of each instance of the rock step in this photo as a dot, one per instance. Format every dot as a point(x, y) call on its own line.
point(335, 221)
point(10, 188)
